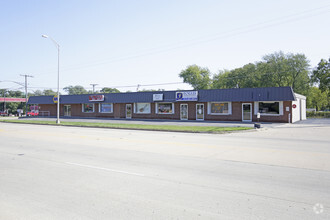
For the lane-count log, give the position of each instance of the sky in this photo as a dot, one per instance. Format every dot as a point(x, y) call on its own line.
point(122, 44)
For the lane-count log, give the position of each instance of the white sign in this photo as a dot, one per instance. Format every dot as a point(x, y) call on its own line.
point(187, 96)
point(158, 97)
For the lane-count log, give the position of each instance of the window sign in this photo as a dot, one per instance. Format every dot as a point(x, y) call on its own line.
point(105, 108)
point(187, 96)
point(219, 108)
point(157, 97)
point(96, 98)
point(88, 108)
point(142, 108)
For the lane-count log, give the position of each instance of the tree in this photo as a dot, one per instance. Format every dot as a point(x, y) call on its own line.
point(281, 69)
point(276, 69)
point(109, 90)
point(197, 77)
point(151, 90)
point(321, 75)
point(36, 93)
point(317, 99)
point(75, 90)
point(49, 92)
point(244, 77)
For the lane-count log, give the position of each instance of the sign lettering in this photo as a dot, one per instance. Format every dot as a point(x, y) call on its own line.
point(96, 98)
point(187, 96)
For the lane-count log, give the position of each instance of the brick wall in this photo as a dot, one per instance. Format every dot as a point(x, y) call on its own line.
point(119, 111)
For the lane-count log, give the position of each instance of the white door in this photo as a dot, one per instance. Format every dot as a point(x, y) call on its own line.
point(128, 111)
point(246, 112)
point(199, 111)
point(184, 111)
point(67, 110)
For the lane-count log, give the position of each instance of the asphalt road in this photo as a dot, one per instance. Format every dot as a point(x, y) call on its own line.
point(49, 172)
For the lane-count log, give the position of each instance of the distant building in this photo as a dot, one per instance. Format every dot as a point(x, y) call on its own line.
point(275, 104)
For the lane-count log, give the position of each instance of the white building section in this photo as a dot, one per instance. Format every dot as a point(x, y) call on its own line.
point(299, 108)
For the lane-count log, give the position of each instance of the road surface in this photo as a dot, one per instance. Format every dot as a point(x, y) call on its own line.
point(50, 172)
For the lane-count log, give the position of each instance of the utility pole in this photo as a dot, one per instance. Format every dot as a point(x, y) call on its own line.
point(4, 100)
point(26, 95)
point(93, 87)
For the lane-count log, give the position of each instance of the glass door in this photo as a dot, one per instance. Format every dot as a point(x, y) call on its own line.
point(67, 110)
point(128, 111)
point(200, 112)
point(184, 111)
point(246, 112)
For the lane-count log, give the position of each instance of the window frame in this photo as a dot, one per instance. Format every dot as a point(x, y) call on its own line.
point(83, 108)
point(106, 112)
point(256, 108)
point(173, 108)
point(137, 112)
point(209, 108)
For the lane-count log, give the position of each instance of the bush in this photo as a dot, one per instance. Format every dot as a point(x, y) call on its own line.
point(318, 114)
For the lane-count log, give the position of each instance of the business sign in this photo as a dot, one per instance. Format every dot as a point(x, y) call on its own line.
point(294, 106)
point(187, 96)
point(157, 97)
point(5, 99)
point(55, 99)
point(96, 98)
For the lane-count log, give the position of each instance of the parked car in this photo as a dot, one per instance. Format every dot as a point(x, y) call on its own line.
point(3, 113)
point(32, 113)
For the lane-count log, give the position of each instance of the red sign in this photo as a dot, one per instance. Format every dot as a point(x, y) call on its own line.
point(294, 106)
point(96, 98)
point(12, 99)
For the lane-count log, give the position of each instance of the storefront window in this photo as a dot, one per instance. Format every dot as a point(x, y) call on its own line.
point(88, 108)
point(219, 108)
point(165, 108)
point(142, 108)
point(105, 108)
point(272, 108)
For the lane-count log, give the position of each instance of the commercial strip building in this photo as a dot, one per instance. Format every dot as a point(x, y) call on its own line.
point(272, 104)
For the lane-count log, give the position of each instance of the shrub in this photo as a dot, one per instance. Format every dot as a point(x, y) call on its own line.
point(318, 114)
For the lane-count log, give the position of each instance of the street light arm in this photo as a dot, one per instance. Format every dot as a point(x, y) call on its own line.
point(54, 41)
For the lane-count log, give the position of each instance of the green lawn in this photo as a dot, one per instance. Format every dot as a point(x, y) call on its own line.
point(194, 129)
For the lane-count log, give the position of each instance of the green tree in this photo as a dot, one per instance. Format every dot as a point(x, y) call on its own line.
point(244, 77)
point(75, 90)
point(197, 77)
point(317, 99)
point(109, 90)
point(49, 92)
point(276, 69)
point(279, 69)
point(321, 75)
point(36, 93)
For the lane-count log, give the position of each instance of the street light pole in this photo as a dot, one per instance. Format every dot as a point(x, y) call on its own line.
point(58, 77)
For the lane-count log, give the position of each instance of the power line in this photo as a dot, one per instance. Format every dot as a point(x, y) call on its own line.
point(234, 32)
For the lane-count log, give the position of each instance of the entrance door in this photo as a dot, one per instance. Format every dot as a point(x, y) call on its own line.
point(246, 112)
point(128, 111)
point(199, 111)
point(184, 111)
point(67, 110)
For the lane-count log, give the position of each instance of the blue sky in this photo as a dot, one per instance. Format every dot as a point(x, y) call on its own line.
point(126, 43)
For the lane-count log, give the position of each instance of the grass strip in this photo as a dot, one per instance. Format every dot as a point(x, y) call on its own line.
point(193, 129)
